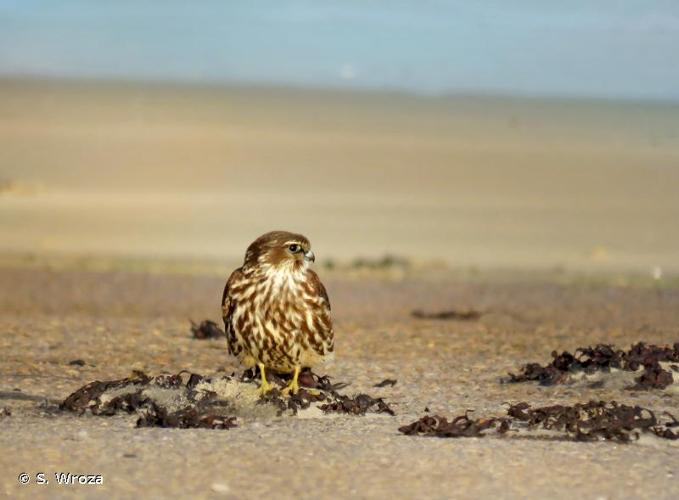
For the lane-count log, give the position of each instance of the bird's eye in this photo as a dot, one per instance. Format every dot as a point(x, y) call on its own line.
point(294, 248)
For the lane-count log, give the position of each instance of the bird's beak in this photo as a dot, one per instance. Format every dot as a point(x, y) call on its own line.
point(309, 256)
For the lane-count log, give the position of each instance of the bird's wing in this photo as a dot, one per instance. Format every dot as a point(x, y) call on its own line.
point(323, 323)
point(227, 305)
point(318, 287)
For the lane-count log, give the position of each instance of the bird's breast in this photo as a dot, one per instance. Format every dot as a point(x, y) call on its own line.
point(278, 295)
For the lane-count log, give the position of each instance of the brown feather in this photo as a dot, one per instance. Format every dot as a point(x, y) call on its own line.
point(276, 311)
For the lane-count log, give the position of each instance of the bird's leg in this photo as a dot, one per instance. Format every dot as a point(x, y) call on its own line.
point(293, 386)
point(264, 387)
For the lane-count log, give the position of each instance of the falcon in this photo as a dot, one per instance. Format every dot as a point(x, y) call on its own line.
point(276, 310)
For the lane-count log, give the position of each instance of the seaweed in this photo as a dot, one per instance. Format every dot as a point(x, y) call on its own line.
point(461, 426)
point(88, 397)
point(207, 329)
point(294, 402)
point(195, 417)
point(591, 421)
point(316, 388)
point(387, 382)
point(199, 412)
point(357, 405)
point(201, 408)
point(451, 314)
point(604, 357)
point(653, 377)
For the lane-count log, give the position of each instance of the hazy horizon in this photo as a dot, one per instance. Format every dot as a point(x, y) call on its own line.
point(292, 88)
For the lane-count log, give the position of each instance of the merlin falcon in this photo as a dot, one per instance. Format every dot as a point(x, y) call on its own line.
point(276, 310)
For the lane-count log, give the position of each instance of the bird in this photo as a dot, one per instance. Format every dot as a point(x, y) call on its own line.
point(276, 311)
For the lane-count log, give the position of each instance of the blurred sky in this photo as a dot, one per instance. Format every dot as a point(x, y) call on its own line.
point(607, 48)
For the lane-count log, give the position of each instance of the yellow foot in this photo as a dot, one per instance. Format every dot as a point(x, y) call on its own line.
point(264, 386)
point(293, 386)
point(290, 388)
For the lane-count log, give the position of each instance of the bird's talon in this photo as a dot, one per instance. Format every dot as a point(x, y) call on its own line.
point(290, 388)
point(264, 388)
point(293, 386)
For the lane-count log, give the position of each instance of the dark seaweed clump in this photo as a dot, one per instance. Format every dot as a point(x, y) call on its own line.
point(451, 314)
point(357, 405)
point(603, 357)
point(319, 389)
point(207, 329)
point(592, 421)
point(595, 420)
point(387, 382)
point(201, 411)
point(462, 426)
point(196, 417)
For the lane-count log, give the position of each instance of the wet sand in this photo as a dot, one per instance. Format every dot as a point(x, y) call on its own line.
point(118, 321)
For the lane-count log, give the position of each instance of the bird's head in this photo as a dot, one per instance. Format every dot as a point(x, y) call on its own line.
point(281, 250)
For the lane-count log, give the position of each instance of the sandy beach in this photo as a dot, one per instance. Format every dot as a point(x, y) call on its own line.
point(172, 171)
point(123, 208)
point(117, 322)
